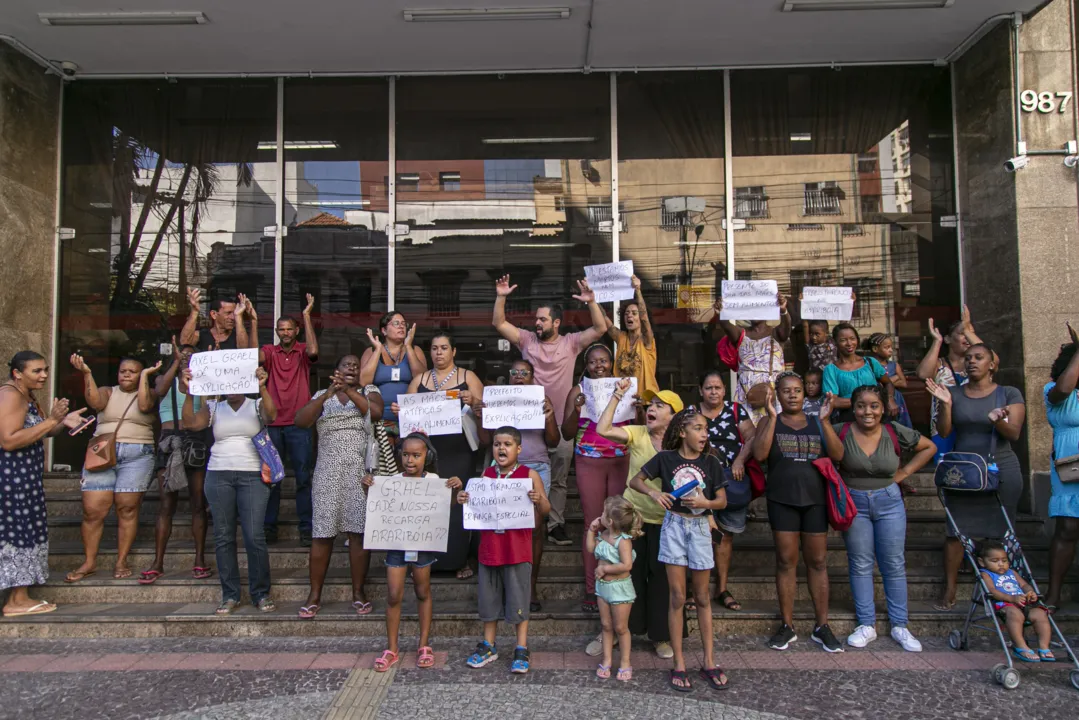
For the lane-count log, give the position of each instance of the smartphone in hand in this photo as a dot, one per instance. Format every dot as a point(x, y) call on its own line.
point(85, 424)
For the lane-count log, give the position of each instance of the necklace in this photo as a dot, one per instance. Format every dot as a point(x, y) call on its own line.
point(438, 385)
point(510, 472)
point(396, 358)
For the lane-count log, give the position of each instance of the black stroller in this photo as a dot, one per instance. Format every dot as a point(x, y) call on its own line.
point(1004, 674)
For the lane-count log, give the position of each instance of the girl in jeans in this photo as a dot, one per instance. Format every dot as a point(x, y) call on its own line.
point(868, 455)
point(234, 488)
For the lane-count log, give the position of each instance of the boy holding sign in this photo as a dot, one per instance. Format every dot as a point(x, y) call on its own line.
point(506, 560)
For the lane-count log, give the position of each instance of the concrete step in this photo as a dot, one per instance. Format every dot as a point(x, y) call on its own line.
point(452, 619)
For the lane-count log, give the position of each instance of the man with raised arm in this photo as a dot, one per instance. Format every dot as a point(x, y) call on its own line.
point(553, 355)
point(220, 336)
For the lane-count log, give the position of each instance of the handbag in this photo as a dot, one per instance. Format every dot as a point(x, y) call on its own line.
point(970, 472)
point(753, 471)
point(757, 396)
point(841, 508)
point(273, 470)
point(728, 351)
point(101, 452)
point(194, 450)
point(1067, 468)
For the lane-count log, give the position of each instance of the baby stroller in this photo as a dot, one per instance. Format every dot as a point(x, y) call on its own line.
point(1004, 674)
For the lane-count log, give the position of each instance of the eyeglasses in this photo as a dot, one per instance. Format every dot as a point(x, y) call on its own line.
point(397, 323)
point(520, 373)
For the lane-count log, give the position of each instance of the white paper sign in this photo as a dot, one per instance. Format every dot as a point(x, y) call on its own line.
point(519, 406)
point(827, 303)
point(750, 300)
point(224, 372)
point(405, 513)
point(611, 281)
point(597, 393)
point(499, 504)
point(432, 413)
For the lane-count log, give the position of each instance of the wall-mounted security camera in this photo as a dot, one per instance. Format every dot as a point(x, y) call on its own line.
point(69, 68)
point(1016, 163)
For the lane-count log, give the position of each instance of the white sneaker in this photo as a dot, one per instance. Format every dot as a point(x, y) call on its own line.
point(664, 650)
point(862, 636)
point(909, 643)
point(595, 648)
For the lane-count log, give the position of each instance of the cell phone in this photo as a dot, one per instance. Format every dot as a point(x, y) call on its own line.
point(85, 424)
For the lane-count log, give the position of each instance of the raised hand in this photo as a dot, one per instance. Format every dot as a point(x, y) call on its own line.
point(375, 340)
point(410, 336)
point(250, 308)
point(635, 282)
point(241, 304)
point(940, 392)
point(262, 376)
point(934, 333)
point(152, 369)
point(503, 287)
point(623, 385)
point(79, 364)
point(718, 305)
point(194, 299)
point(968, 326)
point(585, 293)
point(770, 402)
point(175, 350)
point(548, 406)
point(782, 300)
point(185, 380)
point(826, 405)
point(59, 410)
point(310, 305)
point(337, 383)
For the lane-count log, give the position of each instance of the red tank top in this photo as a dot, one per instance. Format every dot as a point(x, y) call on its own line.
point(512, 546)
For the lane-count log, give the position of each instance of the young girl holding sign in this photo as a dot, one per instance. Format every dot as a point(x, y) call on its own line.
point(601, 464)
point(692, 482)
point(418, 458)
point(505, 569)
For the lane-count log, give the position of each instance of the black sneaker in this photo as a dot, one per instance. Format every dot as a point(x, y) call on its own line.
point(824, 636)
point(557, 535)
point(305, 538)
point(783, 638)
point(270, 531)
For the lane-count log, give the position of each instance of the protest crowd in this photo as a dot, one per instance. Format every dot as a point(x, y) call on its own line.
point(409, 454)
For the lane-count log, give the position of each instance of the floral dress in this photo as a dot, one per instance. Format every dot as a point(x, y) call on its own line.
point(338, 502)
point(759, 361)
point(24, 529)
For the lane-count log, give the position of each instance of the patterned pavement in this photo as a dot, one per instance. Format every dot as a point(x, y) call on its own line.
point(285, 678)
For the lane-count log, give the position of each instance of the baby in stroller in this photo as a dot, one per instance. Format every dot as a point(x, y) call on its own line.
point(1015, 601)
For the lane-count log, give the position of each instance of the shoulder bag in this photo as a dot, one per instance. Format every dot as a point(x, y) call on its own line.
point(273, 470)
point(193, 447)
point(841, 508)
point(101, 452)
point(970, 472)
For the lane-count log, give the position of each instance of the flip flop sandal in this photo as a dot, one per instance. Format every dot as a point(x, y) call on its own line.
point(201, 573)
point(1043, 655)
point(121, 573)
point(75, 576)
point(625, 674)
point(310, 611)
point(149, 577)
point(465, 573)
point(691, 605)
point(590, 605)
point(226, 607)
point(727, 600)
point(362, 608)
point(943, 606)
point(387, 661)
point(716, 678)
point(685, 687)
point(40, 609)
point(603, 672)
point(425, 658)
point(1025, 655)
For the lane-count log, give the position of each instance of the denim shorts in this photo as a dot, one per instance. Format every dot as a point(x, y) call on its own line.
point(616, 592)
point(732, 521)
point(544, 471)
point(686, 541)
point(396, 559)
point(133, 471)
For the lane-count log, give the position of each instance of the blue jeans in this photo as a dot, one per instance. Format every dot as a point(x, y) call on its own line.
point(235, 495)
point(879, 533)
point(294, 446)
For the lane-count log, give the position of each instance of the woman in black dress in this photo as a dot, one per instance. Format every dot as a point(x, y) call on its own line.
point(456, 458)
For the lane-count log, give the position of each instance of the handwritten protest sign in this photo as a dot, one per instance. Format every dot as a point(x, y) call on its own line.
point(611, 281)
point(750, 300)
point(407, 514)
point(224, 372)
point(499, 504)
point(597, 393)
point(519, 406)
point(827, 303)
point(432, 413)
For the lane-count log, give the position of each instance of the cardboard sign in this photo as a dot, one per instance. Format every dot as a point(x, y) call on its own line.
point(597, 394)
point(431, 413)
point(611, 281)
point(405, 513)
point(827, 303)
point(519, 406)
point(750, 300)
point(499, 504)
point(224, 372)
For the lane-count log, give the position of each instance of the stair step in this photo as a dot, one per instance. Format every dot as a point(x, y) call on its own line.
point(452, 619)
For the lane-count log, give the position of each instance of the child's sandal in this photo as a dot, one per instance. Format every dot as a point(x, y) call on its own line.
point(1046, 655)
point(1025, 655)
point(603, 672)
point(425, 658)
point(625, 674)
point(387, 661)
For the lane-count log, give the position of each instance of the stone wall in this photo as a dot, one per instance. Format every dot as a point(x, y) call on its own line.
point(29, 113)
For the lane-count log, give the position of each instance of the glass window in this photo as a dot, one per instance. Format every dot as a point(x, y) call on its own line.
point(336, 211)
point(499, 175)
point(670, 180)
point(168, 187)
point(858, 170)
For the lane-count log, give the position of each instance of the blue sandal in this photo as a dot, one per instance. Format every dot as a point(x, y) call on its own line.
point(1025, 655)
point(521, 658)
point(1046, 655)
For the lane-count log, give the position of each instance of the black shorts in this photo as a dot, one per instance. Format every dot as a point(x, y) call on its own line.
point(791, 518)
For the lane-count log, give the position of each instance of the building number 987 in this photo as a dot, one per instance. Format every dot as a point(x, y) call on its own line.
point(1045, 102)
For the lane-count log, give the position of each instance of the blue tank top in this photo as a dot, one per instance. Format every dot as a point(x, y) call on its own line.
point(389, 387)
point(164, 408)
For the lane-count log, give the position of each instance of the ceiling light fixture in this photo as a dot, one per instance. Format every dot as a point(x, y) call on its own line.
point(473, 14)
point(300, 145)
point(67, 19)
point(801, 137)
point(536, 140)
point(831, 5)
